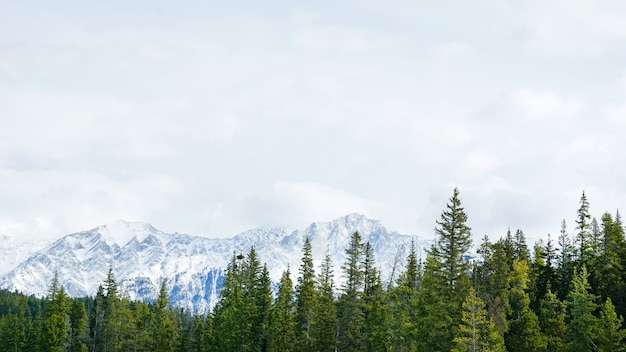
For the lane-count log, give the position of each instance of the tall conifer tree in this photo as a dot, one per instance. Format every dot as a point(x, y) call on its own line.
point(582, 325)
point(323, 331)
point(305, 298)
point(282, 334)
point(350, 304)
point(446, 280)
point(477, 331)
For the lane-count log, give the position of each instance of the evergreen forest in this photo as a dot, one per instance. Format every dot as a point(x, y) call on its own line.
point(561, 294)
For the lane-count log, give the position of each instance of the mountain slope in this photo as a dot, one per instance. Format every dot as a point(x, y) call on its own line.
point(13, 252)
point(142, 256)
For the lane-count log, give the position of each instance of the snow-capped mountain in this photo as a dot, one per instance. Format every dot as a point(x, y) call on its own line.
point(142, 256)
point(13, 251)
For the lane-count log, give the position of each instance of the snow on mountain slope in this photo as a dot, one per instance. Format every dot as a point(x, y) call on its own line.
point(142, 256)
point(13, 252)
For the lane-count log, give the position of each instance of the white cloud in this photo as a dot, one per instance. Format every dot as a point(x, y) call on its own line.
point(543, 104)
point(580, 26)
point(49, 204)
point(363, 107)
point(453, 50)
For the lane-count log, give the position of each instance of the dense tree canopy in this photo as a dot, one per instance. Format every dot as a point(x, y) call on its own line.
point(564, 296)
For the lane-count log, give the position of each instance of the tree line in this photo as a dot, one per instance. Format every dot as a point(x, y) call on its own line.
point(563, 295)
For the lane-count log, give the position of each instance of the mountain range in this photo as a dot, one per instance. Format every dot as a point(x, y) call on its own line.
point(141, 257)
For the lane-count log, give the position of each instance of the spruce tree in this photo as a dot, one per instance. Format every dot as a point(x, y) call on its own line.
point(477, 331)
point(520, 247)
point(305, 298)
point(323, 330)
point(565, 265)
point(611, 334)
point(552, 321)
point(539, 276)
point(610, 264)
point(350, 304)
point(582, 325)
point(583, 236)
point(57, 323)
point(524, 332)
point(96, 321)
point(446, 280)
point(453, 242)
point(263, 302)
point(402, 305)
point(78, 319)
point(12, 332)
point(164, 327)
point(282, 334)
point(376, 330)
point(229, 317)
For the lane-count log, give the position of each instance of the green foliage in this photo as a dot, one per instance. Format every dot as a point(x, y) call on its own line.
point(57, 324)
point(403, 305)
point(282, 324)
point(582, 325)
point(506, 300)
point(350, 312)
point(552, 321)
point(583, 237)
point(446, 280)
point(477, 331)
point(163, 329)
point(323, 331)
point(610, 332)
point(524, 333)
point(375, 311)
point(305, 298)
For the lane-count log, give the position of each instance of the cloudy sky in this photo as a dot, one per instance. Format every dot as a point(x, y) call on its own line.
point(214, 117)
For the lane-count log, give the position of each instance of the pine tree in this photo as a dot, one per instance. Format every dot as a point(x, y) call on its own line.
point(256, 303)
point(12, 332)
point(582, 325)
point(229, 317)
point(477, 331)
point(323, 329)
point(376, 325)
point(35, 334)
point(497, 269)
point(453, 242)
point(565, 265)
point(305, 298)
point(610, 264)
point(140, 327)
point(412, 276)
point(96, 321)
point(539, 276)
point(446, 280)
point(552, 321)
point(524, 332)
point(57, 322)
point(263, 303)
point(610, 333)
point(402, 303)
point(78, 319)
point(583, 236)
point(350, 304)
point(282, 334)
point(520, 247)
point(163, 327)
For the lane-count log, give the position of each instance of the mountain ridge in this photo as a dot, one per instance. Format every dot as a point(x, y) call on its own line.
point(142, 256)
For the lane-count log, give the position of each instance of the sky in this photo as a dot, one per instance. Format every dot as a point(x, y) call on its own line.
point(214, 117)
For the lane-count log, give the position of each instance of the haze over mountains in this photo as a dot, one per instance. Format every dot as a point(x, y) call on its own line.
point(142, 256)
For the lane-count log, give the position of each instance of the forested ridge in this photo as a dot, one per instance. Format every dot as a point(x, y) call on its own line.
point(563, 294)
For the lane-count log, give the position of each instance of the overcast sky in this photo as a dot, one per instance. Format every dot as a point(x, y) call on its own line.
point(214, 117)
